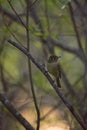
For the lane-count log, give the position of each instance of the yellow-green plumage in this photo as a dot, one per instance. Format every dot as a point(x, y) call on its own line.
point(54, 68)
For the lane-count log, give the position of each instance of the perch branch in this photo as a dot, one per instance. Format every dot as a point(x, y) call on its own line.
point(42, 69)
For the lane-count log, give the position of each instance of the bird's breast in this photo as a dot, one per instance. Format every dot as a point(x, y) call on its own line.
point(52, 68)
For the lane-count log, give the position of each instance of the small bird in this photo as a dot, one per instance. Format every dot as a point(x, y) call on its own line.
point(54, 68)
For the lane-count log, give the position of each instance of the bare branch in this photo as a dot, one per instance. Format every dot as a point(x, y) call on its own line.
point(3, 81)
point(16, 13)
point(10, 15)
point(15, 113)
point(76, 30)
point(30, 67)
point(66, 48)
point(33, 4)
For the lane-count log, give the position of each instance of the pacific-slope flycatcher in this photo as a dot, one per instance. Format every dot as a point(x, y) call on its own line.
point(53, 67)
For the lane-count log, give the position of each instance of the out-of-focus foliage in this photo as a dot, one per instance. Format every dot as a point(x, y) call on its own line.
point(48, 20)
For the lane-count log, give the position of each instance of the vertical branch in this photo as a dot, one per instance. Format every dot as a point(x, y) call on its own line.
point(47, 18)
point(50, 47)
point(28, 48)
point(78, 38)
point(37, 21)
point(75, 27)
point(2, 76)
point(80, 45)
point(3, 81)
point(77, 33)
point(29, 67)
point(82, 104)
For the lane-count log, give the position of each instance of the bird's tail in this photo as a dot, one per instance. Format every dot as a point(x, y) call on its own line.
point(58, 82)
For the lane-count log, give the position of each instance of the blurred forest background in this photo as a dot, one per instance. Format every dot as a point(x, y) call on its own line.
point(43, 27)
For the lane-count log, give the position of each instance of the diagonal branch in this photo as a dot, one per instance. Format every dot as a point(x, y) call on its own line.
point(19, 18)
point(33, 4)
point(42, 69)
point(10, 15)
point(37, 21)
point(67, 48)
point(15, 113)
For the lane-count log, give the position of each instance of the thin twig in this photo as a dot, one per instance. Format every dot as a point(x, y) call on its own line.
point(10, 15)
point(33, 4)
point(76, 30)
point(47, 17)
point(30, 68)
point(2, 77)
point(14, 35)
point(16, 13)
point(37, 21)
